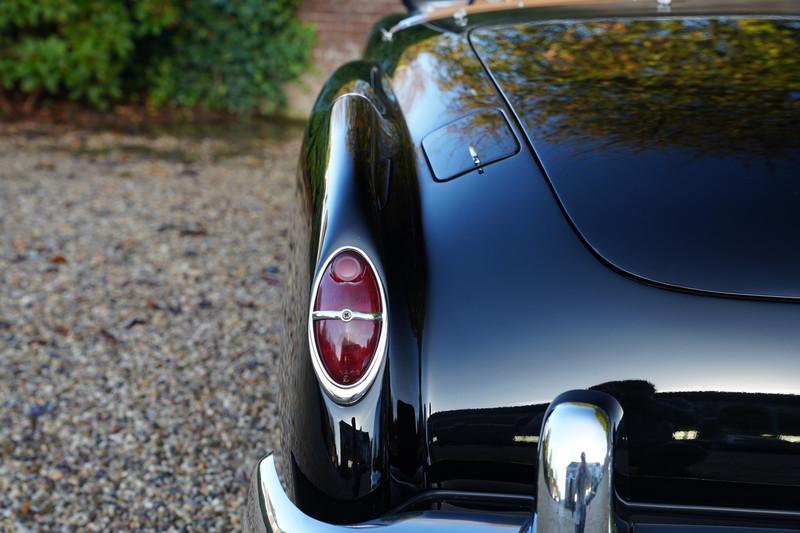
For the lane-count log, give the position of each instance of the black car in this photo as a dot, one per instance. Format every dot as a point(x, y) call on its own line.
point(546, 276)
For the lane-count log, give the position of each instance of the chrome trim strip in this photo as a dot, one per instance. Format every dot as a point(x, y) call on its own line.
point(346, 315)
point(707, 509)
point(583, 8)
point(521, 501)
point(351, 393)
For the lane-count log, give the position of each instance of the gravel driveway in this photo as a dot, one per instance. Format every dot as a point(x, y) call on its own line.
point(139, 306)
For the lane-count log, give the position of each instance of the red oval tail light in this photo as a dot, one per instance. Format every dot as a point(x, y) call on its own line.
point(347, 324)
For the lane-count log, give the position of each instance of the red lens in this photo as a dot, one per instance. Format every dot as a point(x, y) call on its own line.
point(347, 345)
point(346, 348)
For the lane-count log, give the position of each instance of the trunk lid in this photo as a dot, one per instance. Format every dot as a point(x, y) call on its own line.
point(672, 144)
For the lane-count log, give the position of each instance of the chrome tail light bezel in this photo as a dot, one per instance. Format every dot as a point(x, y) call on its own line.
point(348, 394)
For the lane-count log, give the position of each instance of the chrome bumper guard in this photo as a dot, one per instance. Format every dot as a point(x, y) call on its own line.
point(574, 485)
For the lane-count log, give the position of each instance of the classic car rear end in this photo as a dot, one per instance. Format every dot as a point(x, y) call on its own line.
point(546, 276)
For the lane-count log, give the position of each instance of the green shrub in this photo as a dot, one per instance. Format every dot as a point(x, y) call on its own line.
point(233, 55)
point(79, 48)
point(222, 55)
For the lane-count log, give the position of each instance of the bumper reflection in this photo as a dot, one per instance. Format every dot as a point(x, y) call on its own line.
point(576, 464)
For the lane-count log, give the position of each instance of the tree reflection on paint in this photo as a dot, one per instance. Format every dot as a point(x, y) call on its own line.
point(722, 84)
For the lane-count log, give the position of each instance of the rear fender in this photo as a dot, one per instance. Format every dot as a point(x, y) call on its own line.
point(355, 178)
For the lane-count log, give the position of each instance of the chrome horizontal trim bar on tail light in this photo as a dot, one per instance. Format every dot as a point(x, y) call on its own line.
point(345, 314)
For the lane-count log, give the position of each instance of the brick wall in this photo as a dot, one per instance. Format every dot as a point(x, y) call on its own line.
point(342, 28)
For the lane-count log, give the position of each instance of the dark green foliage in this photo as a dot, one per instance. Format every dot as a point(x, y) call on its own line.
point(234, 55)
point(217, 54)
point(78, 48)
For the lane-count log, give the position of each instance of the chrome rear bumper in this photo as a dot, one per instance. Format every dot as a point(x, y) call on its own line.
point(574, 483)
point(268, 509)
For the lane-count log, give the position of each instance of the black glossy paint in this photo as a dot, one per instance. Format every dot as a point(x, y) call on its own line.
point(673, 144)
point(497, 305)
point(356, 188)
